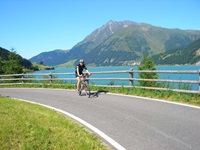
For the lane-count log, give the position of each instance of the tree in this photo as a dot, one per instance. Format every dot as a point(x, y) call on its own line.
point(147, 64)
point(41, 62)
point(1, 65)
point(13, 64)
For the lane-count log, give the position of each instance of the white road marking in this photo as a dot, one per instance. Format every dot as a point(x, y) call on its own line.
point(158, 100)
point(92, 128)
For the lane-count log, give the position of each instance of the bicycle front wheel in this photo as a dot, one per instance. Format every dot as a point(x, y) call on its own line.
point(87, 91)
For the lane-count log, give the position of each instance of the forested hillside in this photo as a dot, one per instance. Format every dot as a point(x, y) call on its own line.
point(188, 55)
point(51, 58)
point(12, 63)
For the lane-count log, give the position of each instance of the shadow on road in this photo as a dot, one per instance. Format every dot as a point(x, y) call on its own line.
point(96, 94)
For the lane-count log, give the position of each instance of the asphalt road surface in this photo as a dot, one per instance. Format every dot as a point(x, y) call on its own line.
point(135, 123)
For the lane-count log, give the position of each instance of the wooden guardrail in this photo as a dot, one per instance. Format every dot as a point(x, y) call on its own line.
point(53, 77)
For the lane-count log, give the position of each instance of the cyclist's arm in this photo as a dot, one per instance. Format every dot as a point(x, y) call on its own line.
point(87, 71)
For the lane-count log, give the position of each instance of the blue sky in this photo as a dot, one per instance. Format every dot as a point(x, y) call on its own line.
point(35, 26)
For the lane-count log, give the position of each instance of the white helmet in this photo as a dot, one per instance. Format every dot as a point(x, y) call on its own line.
point(81, 61)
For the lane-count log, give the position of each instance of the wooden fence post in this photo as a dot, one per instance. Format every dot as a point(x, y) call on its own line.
point(50, 76)
point(131, 76)
point(22, 78)
point(199, 80)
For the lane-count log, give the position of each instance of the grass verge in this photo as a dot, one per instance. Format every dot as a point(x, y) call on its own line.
point(30, 126)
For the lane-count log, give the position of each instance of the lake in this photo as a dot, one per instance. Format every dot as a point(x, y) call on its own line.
point(126, 75)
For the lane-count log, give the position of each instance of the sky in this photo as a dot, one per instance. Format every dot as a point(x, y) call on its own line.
point(35, 26)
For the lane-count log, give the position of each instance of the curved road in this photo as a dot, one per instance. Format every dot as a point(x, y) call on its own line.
point(135, 123)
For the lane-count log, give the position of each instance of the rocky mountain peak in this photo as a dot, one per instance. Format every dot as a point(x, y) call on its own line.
point(107, 30)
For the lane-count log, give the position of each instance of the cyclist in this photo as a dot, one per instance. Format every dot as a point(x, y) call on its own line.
point(79, 72)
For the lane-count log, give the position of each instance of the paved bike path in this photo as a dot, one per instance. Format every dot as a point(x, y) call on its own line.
point(135, 123)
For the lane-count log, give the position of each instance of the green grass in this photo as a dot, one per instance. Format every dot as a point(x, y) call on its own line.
point(30, 126)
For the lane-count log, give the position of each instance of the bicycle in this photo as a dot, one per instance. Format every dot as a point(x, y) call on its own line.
point(84, 85)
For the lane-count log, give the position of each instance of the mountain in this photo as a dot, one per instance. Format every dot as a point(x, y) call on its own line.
point(51, 58)
point(188, 55)
point(117, 43)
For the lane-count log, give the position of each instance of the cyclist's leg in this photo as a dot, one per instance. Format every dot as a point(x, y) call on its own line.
point(78, 85)
point(78, 82)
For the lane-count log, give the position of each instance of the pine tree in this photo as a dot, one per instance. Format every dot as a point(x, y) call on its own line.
point(1, 65)
point(13, 64)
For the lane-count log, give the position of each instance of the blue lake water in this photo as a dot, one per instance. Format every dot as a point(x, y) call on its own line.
point(126, 75)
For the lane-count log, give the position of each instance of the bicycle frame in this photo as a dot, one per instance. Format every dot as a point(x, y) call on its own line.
point(84, 85)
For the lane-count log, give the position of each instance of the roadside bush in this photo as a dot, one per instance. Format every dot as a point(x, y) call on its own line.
point(147, 64)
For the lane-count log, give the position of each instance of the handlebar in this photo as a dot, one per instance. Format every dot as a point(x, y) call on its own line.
point(85, 75)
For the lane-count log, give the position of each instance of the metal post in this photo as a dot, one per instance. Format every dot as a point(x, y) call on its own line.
point(131, 77)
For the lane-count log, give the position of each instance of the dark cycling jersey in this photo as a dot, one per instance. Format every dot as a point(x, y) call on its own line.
point(80, 69)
